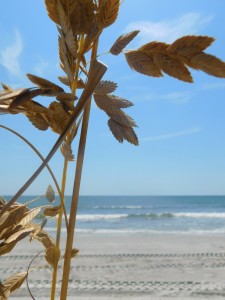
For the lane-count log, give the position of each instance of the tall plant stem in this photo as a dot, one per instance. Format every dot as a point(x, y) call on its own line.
point(76, 191)
point(59, 226)
point(74, 203)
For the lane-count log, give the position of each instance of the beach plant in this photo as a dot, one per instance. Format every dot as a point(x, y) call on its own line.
point(80, 24)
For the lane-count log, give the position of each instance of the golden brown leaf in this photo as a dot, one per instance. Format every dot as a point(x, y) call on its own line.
point(46, 240)
point(153, 47)
point(108, 12)
point(35, 107)
point(66, 97)
point(122, 42)
point(67, 30)
point(122, 118)
point(38, 121)
point(6, 248)
point(52, 255)
point(208, 64)
point(92, 35)
point(142, 63)
point(122, 133)
point(8, 231)
point(52, 10)
point(105, 87)
point(108, 102)
point(50, 194)
point(14, 216)
point(30, 216)
point(19, 235)
point(6, 87)
point(14, 281)
point(67, 152)
point(45, 84)
point(74, 253)
point(172, 66)
point(51, 211)
point(190, 43)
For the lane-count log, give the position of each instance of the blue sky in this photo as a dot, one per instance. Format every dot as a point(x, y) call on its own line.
point(181, 126)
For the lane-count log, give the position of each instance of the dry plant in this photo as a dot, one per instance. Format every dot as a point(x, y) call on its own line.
point(80, 24)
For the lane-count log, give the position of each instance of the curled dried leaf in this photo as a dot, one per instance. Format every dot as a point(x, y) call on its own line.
point(19, 235)
point(14, 281)
point(14, 216)
point(51, 211)
point(52, 255)
point(6, 248)
point(46, 240)
point(66, 97)
point(122, 42)
point(45, 84)
point(29, 216)
point(50, 194)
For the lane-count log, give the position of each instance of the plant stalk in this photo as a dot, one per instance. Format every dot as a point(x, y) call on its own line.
point(74, 203)
point(76, 190)
point(59, 226)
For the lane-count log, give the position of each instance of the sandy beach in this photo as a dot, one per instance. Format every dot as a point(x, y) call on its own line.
point(130, 267)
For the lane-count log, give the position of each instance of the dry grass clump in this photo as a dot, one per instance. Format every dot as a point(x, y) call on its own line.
point(80, 24)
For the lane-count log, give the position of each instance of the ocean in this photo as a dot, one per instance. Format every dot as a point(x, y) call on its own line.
point(144, 214)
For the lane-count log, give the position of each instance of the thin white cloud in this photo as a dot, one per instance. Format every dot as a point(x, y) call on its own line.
point(41, 67)
point(9, 57)
point(173, 135)
point(169, 30)
point(214, 85)
point(177, 97)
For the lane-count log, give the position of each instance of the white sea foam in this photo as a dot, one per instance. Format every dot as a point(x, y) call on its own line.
point(199, 215)
point(101, 217)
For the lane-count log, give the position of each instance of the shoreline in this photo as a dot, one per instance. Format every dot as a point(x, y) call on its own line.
point(131, 267)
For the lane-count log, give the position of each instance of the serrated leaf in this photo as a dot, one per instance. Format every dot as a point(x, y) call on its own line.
point(15, 281)
point(45, 84)
point(50, 194)
point(209, 64)
point(190, 43)
point(30, 216)
point(142, 63)
point(172, 66)
point(104, 101)
point(105, 87)
point(38, 121)
point(122, 133)
point(108, 12)
point(122, 42)
point(51, 211)
point(122, 118)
